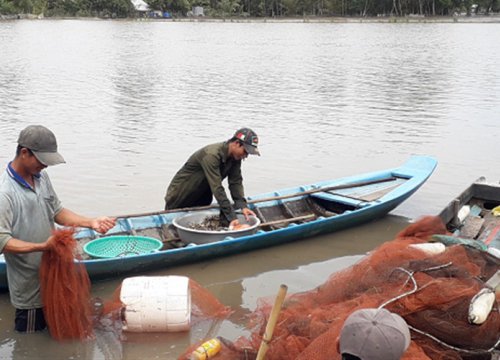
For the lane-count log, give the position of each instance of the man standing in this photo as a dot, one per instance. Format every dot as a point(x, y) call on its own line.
point(200, 179)
point(29, 207)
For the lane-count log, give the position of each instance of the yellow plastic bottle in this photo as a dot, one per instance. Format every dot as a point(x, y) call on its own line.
point(206, 350)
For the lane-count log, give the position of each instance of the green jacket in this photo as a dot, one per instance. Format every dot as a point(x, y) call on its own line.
point(201, 177)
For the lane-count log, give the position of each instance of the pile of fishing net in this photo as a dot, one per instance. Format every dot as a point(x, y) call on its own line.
point(431, 292)
point(65, 289)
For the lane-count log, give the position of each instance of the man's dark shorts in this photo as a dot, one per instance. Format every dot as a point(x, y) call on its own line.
point(30, 320)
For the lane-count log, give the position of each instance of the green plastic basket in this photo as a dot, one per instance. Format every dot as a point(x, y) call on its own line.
point(119, 246)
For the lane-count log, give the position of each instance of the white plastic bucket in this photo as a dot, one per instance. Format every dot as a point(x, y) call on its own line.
point(156, 304)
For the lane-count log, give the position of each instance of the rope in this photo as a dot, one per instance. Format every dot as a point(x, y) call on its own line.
point(414, 290)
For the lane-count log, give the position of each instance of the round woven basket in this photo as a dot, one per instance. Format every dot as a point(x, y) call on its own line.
point(120, 246)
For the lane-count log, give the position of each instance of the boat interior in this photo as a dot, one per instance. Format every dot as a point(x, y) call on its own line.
point(275, 213)
point(470, 215)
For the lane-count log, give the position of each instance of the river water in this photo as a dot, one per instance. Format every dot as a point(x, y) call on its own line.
point(129, 101)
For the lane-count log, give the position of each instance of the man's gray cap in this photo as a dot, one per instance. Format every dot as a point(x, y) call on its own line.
point(374, 334)
point(42, 143)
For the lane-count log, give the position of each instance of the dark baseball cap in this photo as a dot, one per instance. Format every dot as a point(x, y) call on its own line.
point(374, 334)
point(249, 139)
point(42, 143)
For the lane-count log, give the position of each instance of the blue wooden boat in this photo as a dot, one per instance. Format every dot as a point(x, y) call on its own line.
point(286, 215)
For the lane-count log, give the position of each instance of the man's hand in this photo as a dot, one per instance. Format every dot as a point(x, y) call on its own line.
point(103, 224)
point(247, 213)
point(235, 225)
point(49, 243)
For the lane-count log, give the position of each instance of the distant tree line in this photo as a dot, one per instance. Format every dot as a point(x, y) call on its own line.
point(84, 8)
point(254, 8)
point(342, 8)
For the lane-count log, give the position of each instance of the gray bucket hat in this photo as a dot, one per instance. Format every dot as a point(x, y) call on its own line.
point(42, 143)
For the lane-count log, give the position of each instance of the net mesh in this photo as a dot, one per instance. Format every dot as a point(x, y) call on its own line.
point(431, 292)
point(204, 304)
point(65, 289)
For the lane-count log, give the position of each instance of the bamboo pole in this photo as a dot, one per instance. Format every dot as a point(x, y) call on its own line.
point(272, 198)
point(271, 323)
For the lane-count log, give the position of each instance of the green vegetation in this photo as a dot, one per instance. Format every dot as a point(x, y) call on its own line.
point(254, 8)
point(100, 8)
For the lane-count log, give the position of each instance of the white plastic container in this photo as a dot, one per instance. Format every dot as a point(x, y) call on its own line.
point(430, 248)
point(156, 304)
point(463, 213)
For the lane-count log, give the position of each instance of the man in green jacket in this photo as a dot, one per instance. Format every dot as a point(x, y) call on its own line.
point(200, 179)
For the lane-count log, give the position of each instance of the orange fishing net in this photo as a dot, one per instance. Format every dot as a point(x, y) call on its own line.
point(204, 304)
point(65, 288)
point(431, 292)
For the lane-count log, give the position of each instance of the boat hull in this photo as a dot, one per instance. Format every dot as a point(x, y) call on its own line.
point(360, 204)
